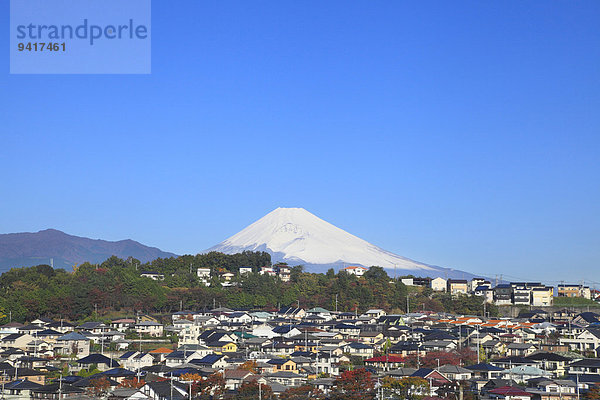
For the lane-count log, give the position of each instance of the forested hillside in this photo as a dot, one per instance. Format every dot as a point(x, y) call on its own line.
point(116, 286)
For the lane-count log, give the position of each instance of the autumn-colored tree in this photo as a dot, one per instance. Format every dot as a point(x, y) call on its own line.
point(250, 390)
point(302, 392)
point(98, 387)
point(410, 387)
point(353, 385)
point(191, 377)
point(132, 383)
point(211, 387)
point(593, 393)
point(467, 356)
point(251, 366)
point(434, 359)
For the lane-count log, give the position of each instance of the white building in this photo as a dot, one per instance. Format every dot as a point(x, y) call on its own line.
point(267, 270)
point(355, 270)
point(149, 328)
point(204, 275)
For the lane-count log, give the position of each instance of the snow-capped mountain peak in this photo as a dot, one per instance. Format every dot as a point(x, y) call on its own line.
point(296, 236)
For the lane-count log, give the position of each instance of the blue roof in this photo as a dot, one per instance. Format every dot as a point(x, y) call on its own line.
point(345, 326)
point(72, 336)
point(422, 372)
point(98, 359)
point(22, 384)
point(183, 371)
point(283, 329)
point(208, 359)
point(484, 367)
point(127, 354)
point(118, 372)
point(358, 345)
point(277, 361)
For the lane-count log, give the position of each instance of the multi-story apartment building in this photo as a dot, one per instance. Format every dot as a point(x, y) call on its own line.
point(521, 293)
point(567, 290)
point(542, 296)
point(503, 294)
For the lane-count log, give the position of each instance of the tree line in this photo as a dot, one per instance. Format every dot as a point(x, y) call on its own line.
point(116, 285)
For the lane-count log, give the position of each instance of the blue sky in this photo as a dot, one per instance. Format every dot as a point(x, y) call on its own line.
point(460, 134)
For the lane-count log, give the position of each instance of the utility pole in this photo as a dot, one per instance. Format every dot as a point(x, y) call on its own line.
point(478, 345)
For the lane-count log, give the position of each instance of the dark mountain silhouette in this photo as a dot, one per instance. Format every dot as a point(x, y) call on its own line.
point(27, 249)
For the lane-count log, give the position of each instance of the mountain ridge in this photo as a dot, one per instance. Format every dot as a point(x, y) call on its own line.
point(25, 249)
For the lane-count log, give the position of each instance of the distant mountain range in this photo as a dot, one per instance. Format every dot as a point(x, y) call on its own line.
point(296, 236)
point(27, 249)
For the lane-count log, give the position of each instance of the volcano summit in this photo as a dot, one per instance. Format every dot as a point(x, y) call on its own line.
point(296, 236)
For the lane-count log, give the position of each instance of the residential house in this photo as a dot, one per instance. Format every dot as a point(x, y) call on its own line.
point(477, 282)
point(509, 393)
point(214, 361)
point(359, 349)
point(457, 286)
point(122, 324)
point(234, 378)
point(520, 349)
point(267, 271)
point(439, 284)
point(149, 328)
point(16, 341)
point(165, 390)
point(282, 364)
point(485, 371)
point(72, 343)
point(370, 337)
point(135, 360)
point(292, 312)
point(354, 270)
point(585, 342)
point(102, 362)
point(587, 366)
point(455, 372)
point(245, 270)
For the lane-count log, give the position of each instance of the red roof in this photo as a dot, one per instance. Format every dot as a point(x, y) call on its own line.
point(510, 391)
point(161, 350)
point(392, 359)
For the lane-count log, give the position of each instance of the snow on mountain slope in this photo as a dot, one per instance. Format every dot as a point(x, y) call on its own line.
point(296, 236)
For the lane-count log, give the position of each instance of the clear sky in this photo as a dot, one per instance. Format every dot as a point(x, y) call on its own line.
point(460, 134)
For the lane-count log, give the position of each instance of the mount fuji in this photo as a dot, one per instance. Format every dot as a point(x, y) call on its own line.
point(296, 236)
